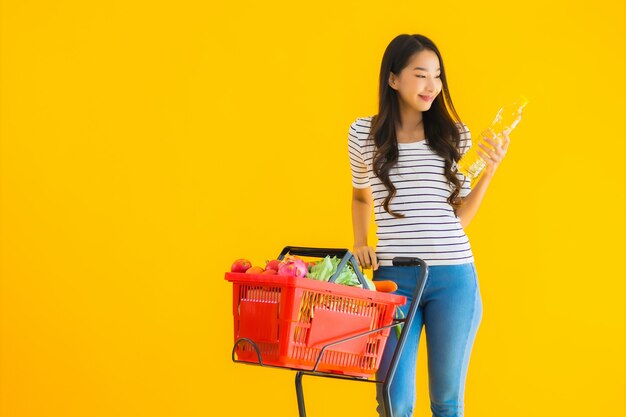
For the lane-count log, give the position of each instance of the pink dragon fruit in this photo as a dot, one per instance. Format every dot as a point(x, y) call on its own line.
point(293, 266)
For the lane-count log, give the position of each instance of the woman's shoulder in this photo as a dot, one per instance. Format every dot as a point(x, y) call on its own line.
point(362, 123)
point(463, 129)
point(465, 139)
point(361, 126)
point(360, 132)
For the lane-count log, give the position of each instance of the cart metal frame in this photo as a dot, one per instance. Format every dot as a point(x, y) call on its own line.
point(406, 322)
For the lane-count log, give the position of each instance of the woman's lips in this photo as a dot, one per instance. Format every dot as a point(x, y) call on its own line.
point(426, 98)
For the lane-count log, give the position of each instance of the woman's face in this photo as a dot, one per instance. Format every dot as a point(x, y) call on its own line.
point(418, 83)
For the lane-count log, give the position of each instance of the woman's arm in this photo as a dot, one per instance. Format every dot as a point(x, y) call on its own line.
point(472, 201)
point(361, 214)
point(492, 156)
point(362, 203)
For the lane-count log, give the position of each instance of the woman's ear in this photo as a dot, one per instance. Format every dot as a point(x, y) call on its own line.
point(392, 80)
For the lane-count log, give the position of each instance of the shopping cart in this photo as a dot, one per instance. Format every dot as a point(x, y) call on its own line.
point(320, 328)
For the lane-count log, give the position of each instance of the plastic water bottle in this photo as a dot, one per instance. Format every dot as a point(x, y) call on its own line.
point(471, 164)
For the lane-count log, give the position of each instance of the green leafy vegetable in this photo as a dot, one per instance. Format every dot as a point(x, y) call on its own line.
point(324, 270)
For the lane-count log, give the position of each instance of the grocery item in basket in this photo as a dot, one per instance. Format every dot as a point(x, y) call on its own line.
point(293, 266)
point(327, 267)
point(290, 266)
point(385, 286)
point(274, 264)
point(240, 265)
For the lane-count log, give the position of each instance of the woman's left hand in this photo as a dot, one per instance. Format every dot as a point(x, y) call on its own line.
point(494, 155)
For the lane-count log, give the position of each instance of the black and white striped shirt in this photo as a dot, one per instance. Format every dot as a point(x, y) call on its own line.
point(430, 230)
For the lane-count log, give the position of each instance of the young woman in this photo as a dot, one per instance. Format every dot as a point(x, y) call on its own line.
point(403, 163)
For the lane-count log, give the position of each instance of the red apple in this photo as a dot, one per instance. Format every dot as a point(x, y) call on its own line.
point(273, 264)
point(240, 265)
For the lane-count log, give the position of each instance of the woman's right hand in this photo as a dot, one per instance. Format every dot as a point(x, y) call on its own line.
point(366, 256)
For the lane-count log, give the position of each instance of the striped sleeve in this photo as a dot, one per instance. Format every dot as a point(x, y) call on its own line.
point(360, 176)
point(464, 145)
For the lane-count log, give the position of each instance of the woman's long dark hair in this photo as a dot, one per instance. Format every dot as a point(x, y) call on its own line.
point(439, 125)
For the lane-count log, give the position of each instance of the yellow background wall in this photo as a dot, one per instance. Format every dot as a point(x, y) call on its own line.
point(146, 145)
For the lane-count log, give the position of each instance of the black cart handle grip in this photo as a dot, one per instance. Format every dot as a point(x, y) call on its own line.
point(314, 252)
point(345, 254)
point(407, 261)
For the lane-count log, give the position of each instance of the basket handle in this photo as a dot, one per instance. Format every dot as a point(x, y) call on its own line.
point(314, 252)
point(345, 254)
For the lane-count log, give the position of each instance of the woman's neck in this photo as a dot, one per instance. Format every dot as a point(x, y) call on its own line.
point(410, 121)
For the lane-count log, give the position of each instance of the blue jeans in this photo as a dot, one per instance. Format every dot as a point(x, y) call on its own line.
point(450, 311)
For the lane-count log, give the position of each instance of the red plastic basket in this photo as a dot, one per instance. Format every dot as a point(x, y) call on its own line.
point(291, 319)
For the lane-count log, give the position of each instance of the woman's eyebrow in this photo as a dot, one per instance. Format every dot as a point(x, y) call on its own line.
point(423, 69)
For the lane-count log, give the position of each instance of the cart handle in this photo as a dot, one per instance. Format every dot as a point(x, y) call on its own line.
point(345, 254)
point(254, 346)
point(313, 252)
